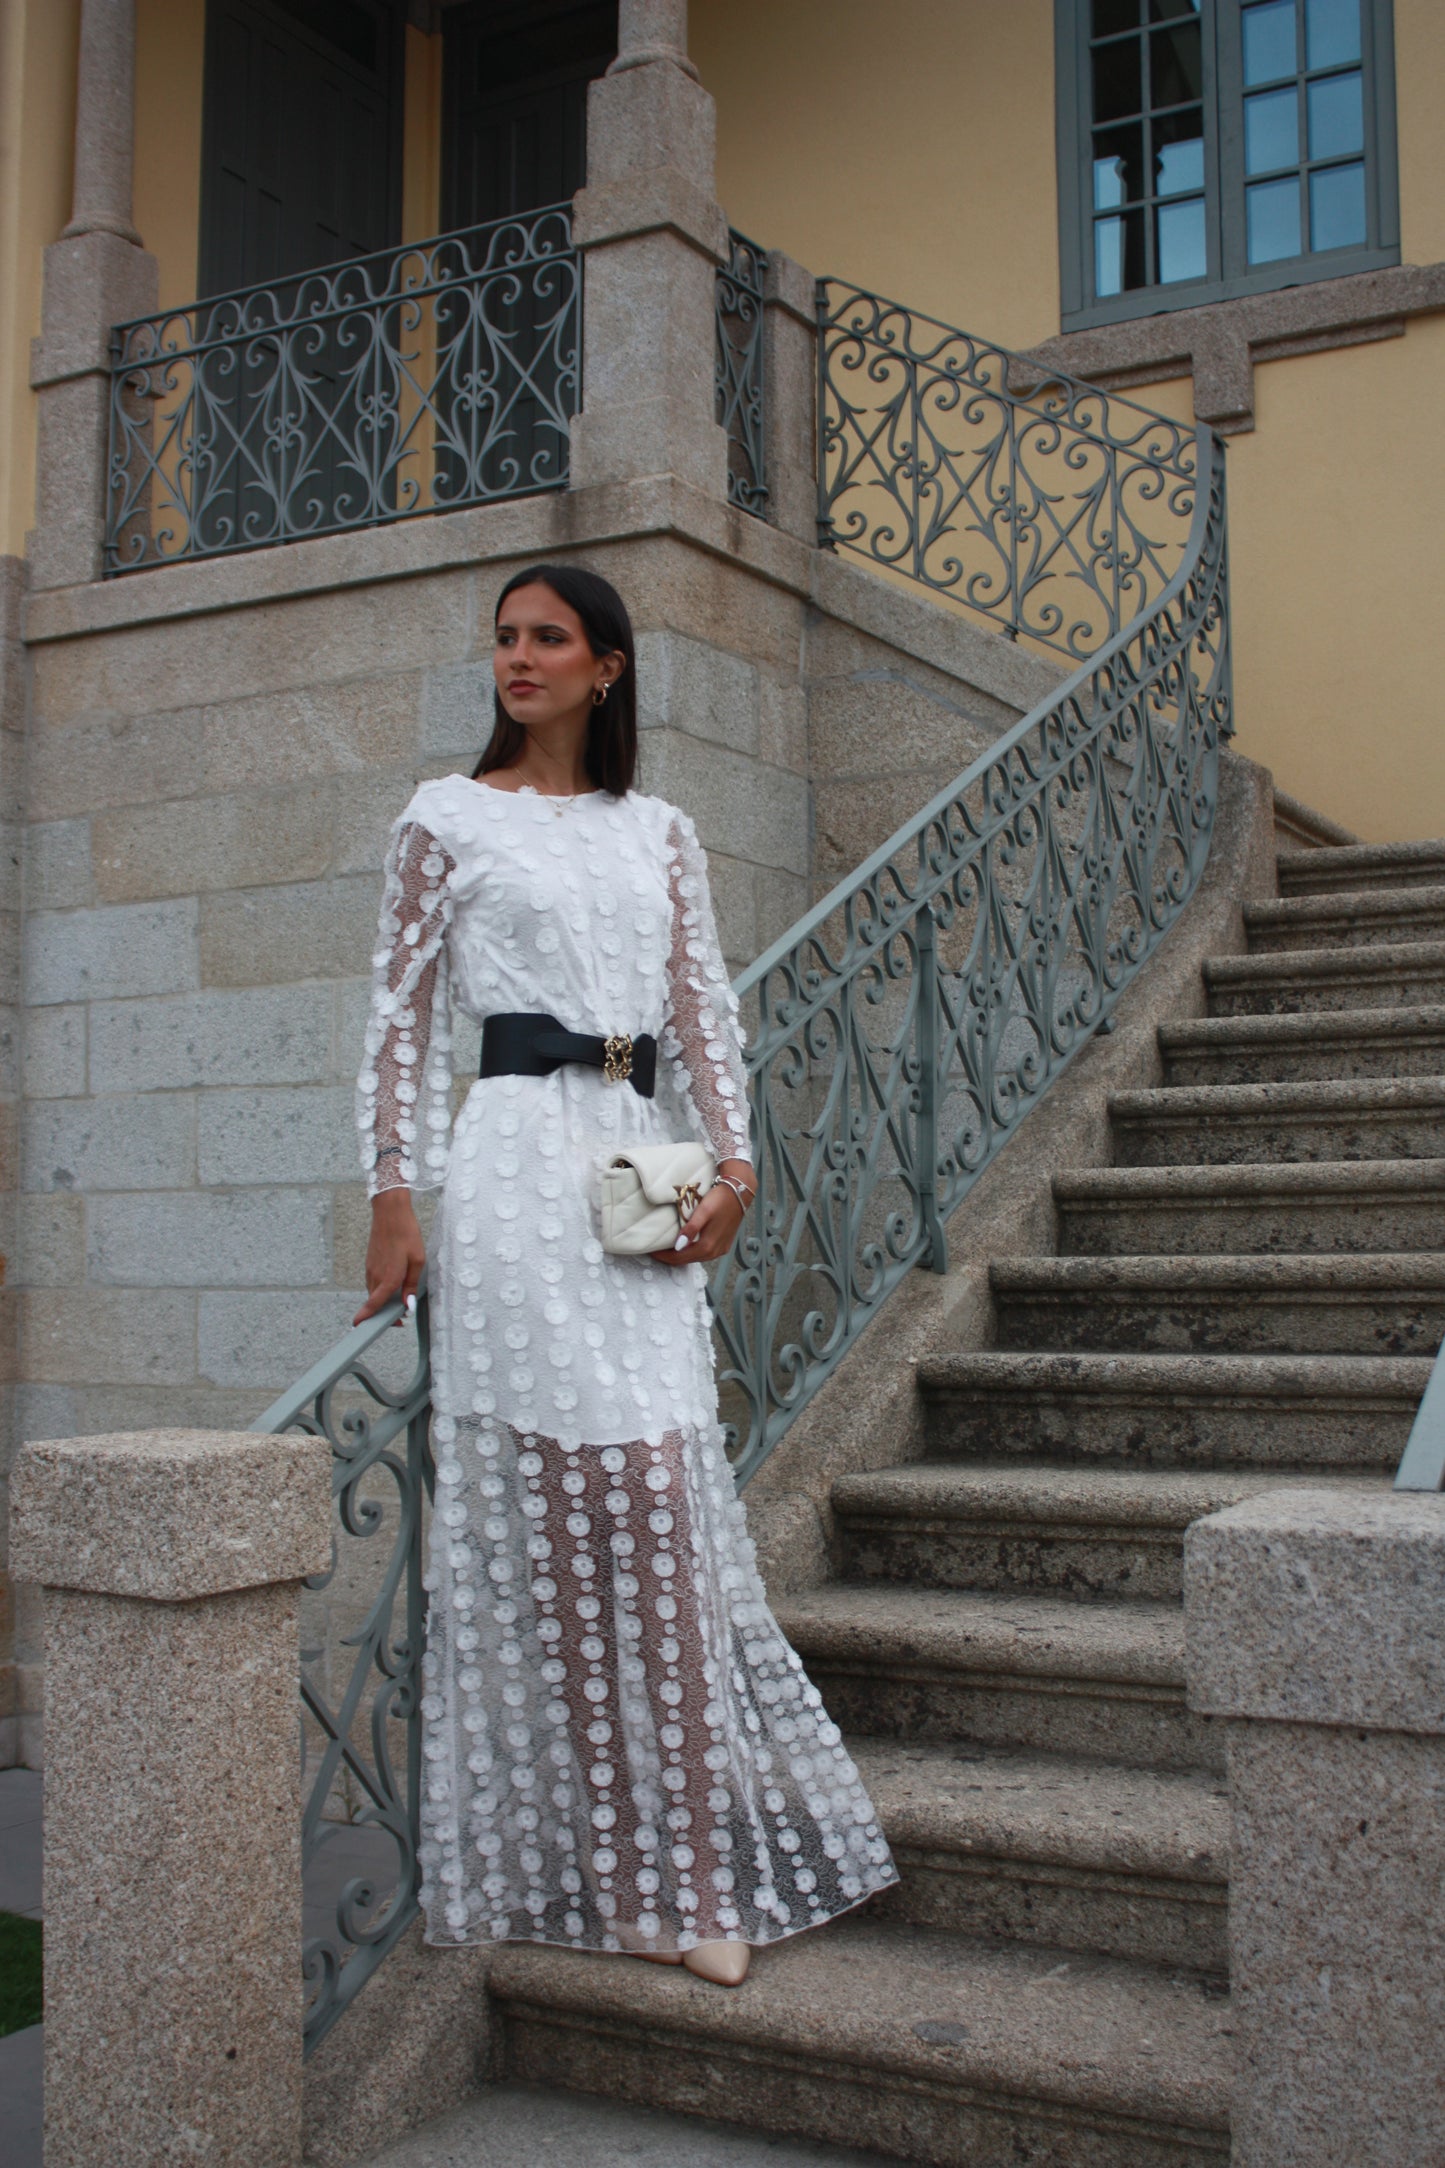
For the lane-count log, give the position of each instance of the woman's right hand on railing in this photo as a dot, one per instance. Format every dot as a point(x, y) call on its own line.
point(395, 1254)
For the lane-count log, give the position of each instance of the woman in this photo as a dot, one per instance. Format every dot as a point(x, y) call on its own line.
point(620, 1749)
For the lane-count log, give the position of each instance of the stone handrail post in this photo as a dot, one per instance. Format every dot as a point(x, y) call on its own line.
point(652, 235)
point(171, 1564)
point(97, 274)
point(1315, 1625)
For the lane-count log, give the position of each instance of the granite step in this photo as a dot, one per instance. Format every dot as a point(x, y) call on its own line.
point(1361, 1206)
point(1361, 865)
point(1049, 1849)
point(1308, 982)
point(928, 2047)
point(1220, 1125)
point(1325, 1413)
point(1294, 1305)
point(1348, 918)
point(1379, 1042)
point(1085, 1532)
point(1002, 1669)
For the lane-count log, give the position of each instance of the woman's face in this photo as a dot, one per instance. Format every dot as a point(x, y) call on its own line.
point(543, 660)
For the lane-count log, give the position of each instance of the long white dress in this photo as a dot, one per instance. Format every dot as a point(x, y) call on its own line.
point(620, 1747)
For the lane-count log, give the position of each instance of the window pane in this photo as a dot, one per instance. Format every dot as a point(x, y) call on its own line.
point(1180, 240)
point(1118, 254)
point(1112, 15)
point(1176, 69)
point(1337, 207)
point(1179, 153)
point(1337, 116)
point(1272, 209)
point(1118, 166)
point(1117, 80)
point(1269, 48)
point(1332, 32)
point(1271, 130)
point(1165, 11)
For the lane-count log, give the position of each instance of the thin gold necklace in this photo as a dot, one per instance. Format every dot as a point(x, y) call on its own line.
point(557, 800)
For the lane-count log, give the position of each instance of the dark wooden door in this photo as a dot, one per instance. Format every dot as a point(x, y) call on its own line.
point(514, 139)
point(515, 95)
point(301, 168)
point(301, 148)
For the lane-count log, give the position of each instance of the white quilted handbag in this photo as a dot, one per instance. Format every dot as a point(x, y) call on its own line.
point(649, 1192)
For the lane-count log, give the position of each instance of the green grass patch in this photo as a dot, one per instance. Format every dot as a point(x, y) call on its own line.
point(20, 1942)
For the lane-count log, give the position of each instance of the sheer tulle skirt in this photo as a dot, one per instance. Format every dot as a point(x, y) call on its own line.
point(621, 1750)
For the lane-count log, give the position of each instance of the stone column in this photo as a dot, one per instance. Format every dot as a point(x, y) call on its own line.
point(1315, 1625)
point(790, 396)
point(171, 1564)
point(97, 274)
point(653, 236)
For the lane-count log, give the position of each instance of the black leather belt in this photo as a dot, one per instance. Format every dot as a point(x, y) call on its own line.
point(520, 1043)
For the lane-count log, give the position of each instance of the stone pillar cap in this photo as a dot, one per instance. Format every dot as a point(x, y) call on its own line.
point(1319, 1607)
point(170, 1514)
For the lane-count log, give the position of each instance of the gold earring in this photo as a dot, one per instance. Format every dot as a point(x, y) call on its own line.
point(599, 694)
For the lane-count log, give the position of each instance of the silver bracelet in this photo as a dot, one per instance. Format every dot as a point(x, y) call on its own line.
point(744, 1196)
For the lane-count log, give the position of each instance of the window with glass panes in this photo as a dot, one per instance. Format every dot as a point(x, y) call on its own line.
point(1218, 147)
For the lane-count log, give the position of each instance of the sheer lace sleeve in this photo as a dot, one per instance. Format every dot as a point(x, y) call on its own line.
point(702, 1037)
point(403, 1094)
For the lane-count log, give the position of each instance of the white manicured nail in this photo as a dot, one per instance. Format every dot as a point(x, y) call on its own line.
point(411, 1305)
point(681, 1243)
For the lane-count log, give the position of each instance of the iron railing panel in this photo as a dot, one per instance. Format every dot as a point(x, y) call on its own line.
point(363, 1630)
point(1058, 511)
point(739, 377)
point(417, 380)
point(904, 1028)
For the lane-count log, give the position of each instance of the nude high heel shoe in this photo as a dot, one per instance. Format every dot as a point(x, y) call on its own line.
point(724, 1963)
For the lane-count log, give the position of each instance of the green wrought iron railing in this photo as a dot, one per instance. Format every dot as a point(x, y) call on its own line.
point(738, 376)
point(361, 1673)
point(903, 1029)
point(440, 374)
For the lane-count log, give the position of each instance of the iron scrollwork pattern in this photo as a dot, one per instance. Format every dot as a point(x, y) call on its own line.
point(739, 373)
point(363, 1628)
point(904, 1028)
point(1057, 510)
point(436, 375)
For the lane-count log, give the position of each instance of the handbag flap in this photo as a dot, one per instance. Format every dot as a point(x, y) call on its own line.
point(663, 1168)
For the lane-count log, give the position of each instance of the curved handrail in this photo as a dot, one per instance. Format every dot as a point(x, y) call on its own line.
point(359, 1725)
point(990, 937)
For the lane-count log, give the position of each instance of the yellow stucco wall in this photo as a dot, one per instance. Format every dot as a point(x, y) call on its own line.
point(905, 144)
point(909, 145)
point(38, 40)
point(170, 51)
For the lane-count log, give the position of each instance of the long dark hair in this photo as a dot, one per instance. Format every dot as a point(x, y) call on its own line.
point(611, 751)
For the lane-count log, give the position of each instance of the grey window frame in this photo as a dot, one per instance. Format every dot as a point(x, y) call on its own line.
point(1228, 277)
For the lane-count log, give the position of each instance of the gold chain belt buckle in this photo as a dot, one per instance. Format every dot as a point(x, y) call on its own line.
point(689, 1197)
point(617, 1057)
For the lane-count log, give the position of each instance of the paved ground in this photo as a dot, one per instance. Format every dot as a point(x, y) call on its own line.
point(513, 2126)
point(508, 2126)
point(20, 1892)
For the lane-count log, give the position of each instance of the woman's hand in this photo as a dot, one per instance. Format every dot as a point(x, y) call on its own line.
point(395, 1254)
point(712, 1229)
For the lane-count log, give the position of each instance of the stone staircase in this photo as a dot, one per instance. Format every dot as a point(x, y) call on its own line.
point(1248, 1296)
